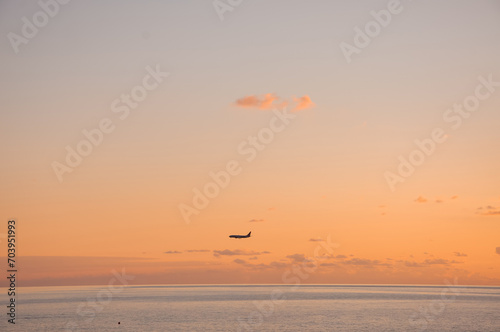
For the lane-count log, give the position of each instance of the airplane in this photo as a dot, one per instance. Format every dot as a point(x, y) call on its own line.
point(240, 236)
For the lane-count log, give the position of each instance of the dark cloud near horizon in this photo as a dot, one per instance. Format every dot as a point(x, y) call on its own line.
point(316, 240)
point(429, 262)
point(365, 262)
point(172, 252)
point(412, 264)
point(298, 258)
point(238, 252)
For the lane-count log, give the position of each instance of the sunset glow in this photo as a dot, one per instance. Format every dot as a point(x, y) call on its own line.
point(139, 143)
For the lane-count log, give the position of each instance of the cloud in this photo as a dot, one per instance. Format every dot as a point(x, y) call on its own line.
point(262, 266)
point(249, 101)
point(412, 264)
point(359, 262)
point(454, 197)
point(173, 252)
point(435, 261)
point(439, 201)
point(316, 240)
point(303, 103)
point(488, 211)
point(238, 252)
point(256, 220)
point(253, 101)
point(297, 258)
point(459, 254)
point(440, 261)
point(336, 257)
point(44, 271)
point(198, 250)
point(278, 265)
point(270, 101)
point(364, 262)
point(498, 250)
point(421, 199)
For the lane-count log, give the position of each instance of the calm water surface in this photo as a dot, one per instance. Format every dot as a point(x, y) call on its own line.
point(257, 308)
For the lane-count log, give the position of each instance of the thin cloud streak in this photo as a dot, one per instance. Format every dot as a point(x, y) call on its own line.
point(238, 252)
point(271, 101)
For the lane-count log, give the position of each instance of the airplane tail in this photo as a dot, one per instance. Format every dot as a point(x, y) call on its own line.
point(249, 234)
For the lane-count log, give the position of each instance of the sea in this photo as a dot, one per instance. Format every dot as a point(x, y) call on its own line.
point(371, 308)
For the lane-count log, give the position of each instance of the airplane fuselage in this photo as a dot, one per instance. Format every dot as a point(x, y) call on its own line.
point(240, 236)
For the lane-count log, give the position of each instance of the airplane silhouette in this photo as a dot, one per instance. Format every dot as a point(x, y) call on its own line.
point(240, 236)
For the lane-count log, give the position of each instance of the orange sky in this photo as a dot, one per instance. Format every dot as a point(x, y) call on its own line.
point(304, 140)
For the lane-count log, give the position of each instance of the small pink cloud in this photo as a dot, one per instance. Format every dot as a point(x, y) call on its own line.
point(303, 103)
point(263, 103)
point(271, 101)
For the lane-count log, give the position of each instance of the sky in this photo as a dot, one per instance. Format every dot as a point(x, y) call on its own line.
point(357, 141)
